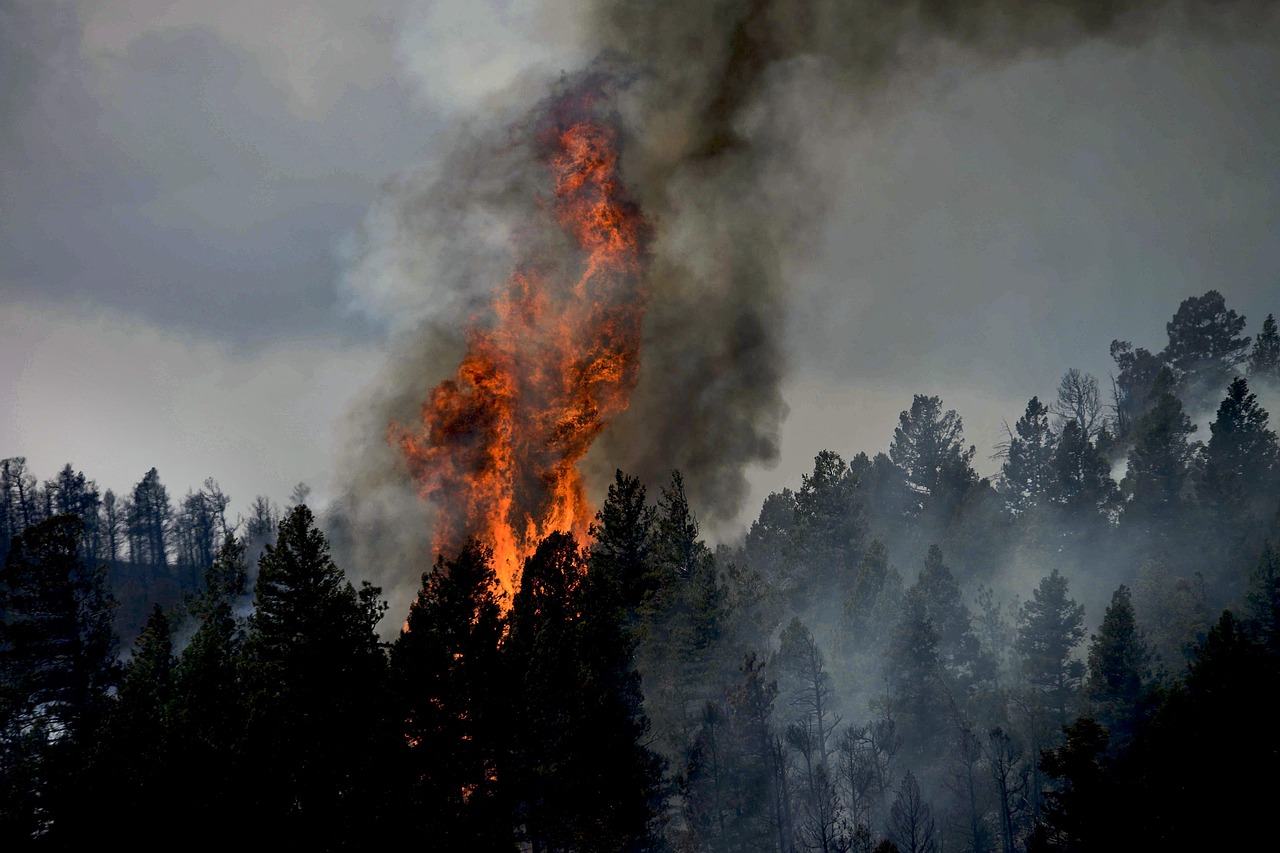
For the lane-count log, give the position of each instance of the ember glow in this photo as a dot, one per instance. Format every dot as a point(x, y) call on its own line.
point(547, 366)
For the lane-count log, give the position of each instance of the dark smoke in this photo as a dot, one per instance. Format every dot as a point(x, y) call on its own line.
point(717, 100)
point(726, 92)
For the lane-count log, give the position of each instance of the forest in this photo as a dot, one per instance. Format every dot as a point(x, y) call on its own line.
point(1077, 654)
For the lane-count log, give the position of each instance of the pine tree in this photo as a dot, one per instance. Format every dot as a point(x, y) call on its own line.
point(1143, 377)
point(958, 647)
point(1264, 360)
point(582, 776)
point(804, 673)
point(1028, 467)
point(1241, 460)
point(448, 682)
point(911, 824)
point(208, 715)
point(1081, 484)
point(623, 537)
point(927, 447)
point(132, 771)
point(1204, 342)
point(873, 604)
point(149, 521)
point(314, 679)
point(920, 698)
point(1081, 813)
point(830, 522)
point(1051, 625)
point(1160, 463)
point(1119, 666)
point(57, 664)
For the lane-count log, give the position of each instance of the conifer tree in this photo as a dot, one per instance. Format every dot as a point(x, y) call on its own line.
point(1119, 666)
point(132, 771)
point(314, 677)
point(1241, 460)
point(928, 448)
point(582, 776)
point(958, 646)
point(449, 687)
point(1028, 467)
point(208, 714)
point(920, 698)
point(1160, 463)
point(1081, 481)
point(1204, 342)
point(57, 663)
point(804, 671)
point(1264, 360)
point(1051, 625)
point(623, 535)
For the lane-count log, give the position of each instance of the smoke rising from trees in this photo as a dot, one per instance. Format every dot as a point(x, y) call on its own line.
point(721, 106)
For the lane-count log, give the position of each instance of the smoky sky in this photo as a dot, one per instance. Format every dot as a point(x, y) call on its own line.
point(854, 202)
point(164, 172)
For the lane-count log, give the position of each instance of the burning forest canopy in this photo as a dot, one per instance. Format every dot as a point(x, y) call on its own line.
point(596, 314)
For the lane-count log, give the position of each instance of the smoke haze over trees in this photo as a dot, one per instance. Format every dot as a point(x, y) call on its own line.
point(1009, 265)
point(900, 654)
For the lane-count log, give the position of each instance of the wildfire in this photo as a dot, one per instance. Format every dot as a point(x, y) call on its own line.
point(547, 367)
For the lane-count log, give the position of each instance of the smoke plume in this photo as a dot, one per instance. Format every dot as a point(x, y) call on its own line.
point(717, 103)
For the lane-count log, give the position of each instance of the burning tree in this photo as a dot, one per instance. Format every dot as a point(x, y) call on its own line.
point(548, 366)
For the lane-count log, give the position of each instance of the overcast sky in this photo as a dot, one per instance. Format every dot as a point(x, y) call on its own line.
point(182, 185)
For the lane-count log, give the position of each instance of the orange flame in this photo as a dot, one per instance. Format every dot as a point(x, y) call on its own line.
point(552, 364)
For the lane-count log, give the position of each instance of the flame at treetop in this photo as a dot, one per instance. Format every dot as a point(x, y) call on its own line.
point(547, 368)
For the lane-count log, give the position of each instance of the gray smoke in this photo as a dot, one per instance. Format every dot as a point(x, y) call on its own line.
point(719, 102)
point(728, 97)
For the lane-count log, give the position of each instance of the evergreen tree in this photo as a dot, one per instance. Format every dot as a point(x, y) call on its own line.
point(1051, 625)
point(314, 678)
point(804, 672)
point(149, 521)
point(1241, 460)
point(677, 548)
point(757, 792)
point(624, 540)
point(583, 780)
point(1264, 600)
point(1028, 467)
point(447, 676)
point(1081, 480)
point(958, 647)
point(830, 523)
point(877, 592)
point(1204, 342)
point(911, 825)
point(920, 698)
point(1143, 377)
point(1081, 814)
point(19, 507)
point(57, 663)
point(1264, 360)
point(1118, 666)
point(1160, 463)
point(927, 447)
point(1216, 715)
point(132, 770)
point(769, 541)
point(207, 714)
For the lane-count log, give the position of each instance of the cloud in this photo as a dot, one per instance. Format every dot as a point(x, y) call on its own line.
point(116, 395)
point(312, 52)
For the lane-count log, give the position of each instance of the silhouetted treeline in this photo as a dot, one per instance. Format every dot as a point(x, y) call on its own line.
point(900, 654)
